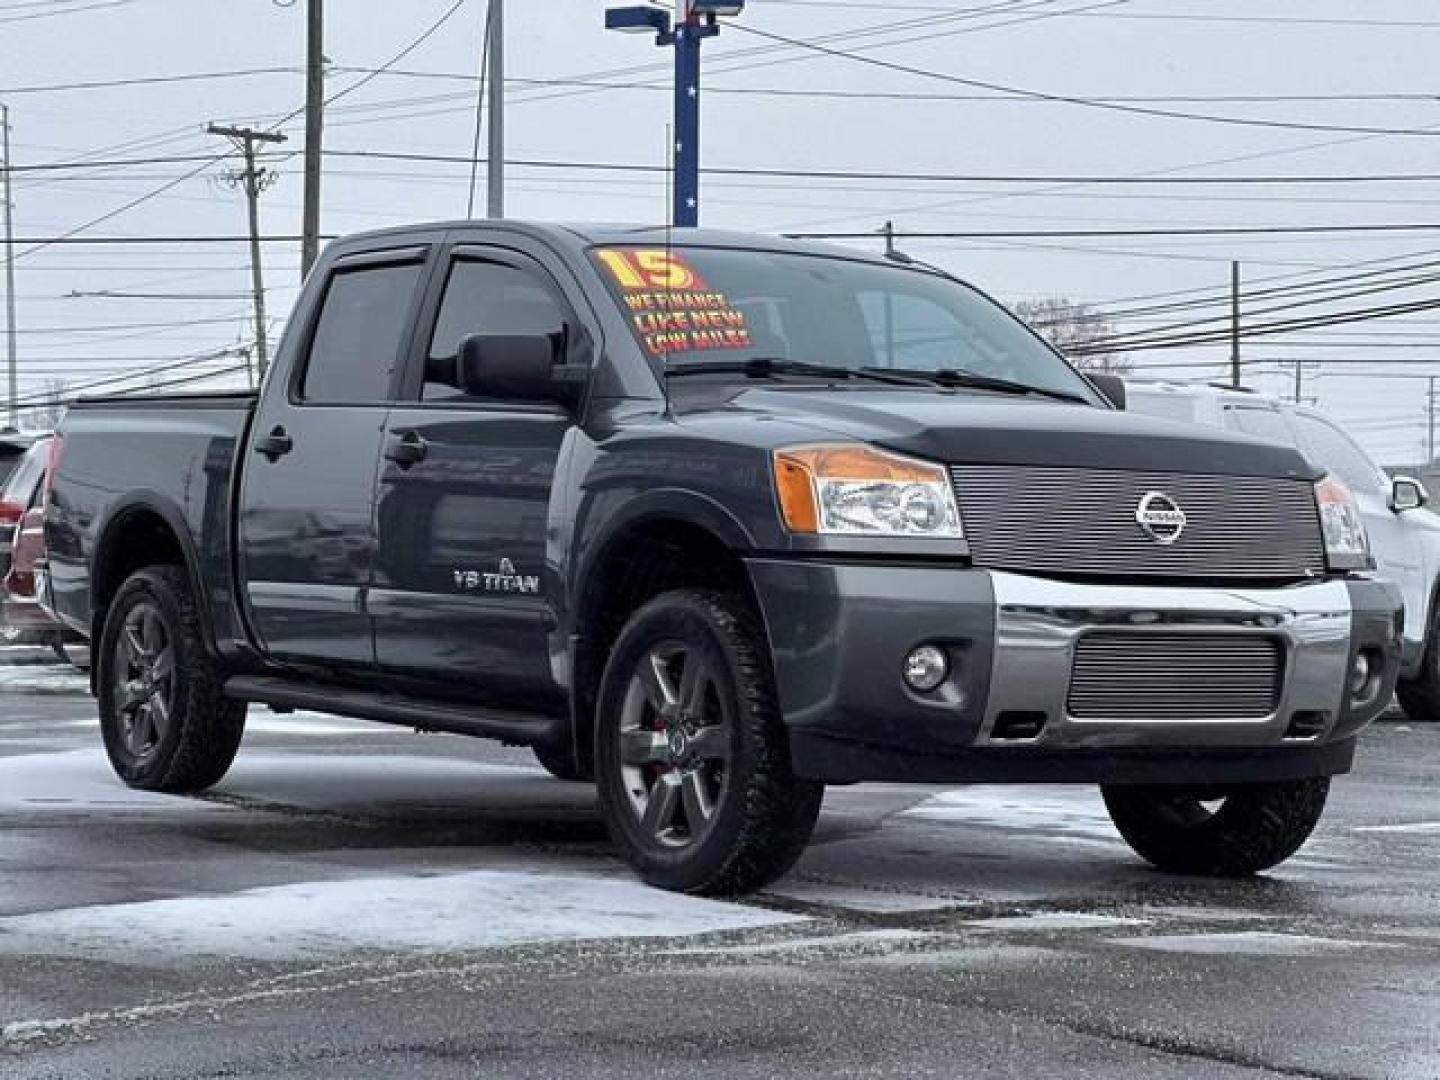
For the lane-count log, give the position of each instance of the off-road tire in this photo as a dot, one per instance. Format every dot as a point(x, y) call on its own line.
point(764, 814)
point(1256, 827)
point(205, 729)
point(560, 763)
point(1420, 696)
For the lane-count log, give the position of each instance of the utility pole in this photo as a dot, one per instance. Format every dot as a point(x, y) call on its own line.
point(314, 132)
point(14, 400)
point(1235, 325)
point(253, 181)
point(1430, 422)
point(1298, 377)
point(495, 169)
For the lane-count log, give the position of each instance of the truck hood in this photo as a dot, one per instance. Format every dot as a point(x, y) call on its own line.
point(982, 428)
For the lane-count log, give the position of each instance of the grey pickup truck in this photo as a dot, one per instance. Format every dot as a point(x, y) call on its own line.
point(716, 520)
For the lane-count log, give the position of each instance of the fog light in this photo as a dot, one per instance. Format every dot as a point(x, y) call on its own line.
point(1360, 673)
point(926, 668)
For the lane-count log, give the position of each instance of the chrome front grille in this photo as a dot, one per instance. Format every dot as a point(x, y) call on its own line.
point(1159, 677)
point(1081, 522)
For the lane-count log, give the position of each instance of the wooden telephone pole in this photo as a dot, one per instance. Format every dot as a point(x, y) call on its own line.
point(253, 180)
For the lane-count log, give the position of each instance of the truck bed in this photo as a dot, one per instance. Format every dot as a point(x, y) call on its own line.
point(172, 456)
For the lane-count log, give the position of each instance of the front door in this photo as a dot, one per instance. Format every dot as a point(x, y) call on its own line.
point(465, 594)
point(307, 536)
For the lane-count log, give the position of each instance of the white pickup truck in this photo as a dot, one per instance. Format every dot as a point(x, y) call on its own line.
point(1404, 537)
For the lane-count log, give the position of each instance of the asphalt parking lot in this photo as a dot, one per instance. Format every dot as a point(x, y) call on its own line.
point(357, 900)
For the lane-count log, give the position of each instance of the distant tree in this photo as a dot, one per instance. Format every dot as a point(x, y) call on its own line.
point(1073, 327)
point(53, 401)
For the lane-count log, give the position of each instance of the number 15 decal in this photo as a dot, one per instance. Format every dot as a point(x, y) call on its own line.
point(639, 268)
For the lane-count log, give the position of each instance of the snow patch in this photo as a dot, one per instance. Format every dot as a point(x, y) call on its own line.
point(858, 898)
point(1249, 943)
point(466, 911)
point(43, 679)
point(1069, 810)
point(1058, 920)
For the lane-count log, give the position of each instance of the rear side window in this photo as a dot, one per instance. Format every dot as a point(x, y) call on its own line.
point(357, 339)
point(1262, 423)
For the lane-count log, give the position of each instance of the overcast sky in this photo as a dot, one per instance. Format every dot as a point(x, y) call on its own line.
point(838, 115)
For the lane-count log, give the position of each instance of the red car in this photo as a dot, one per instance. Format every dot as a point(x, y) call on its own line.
point(22, 542)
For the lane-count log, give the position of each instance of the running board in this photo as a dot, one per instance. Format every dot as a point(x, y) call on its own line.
point(514, 727)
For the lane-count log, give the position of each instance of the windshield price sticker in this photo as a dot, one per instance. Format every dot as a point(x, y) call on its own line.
point(670, 306)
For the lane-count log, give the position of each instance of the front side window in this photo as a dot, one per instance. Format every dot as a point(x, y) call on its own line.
point(690, 304)
point(1333, 450)
point(487, 298)
point(357, 339)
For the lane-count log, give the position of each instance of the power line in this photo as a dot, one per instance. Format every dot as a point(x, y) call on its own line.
point(1068, 99)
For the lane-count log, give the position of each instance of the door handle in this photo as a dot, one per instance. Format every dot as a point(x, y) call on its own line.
point(410, 449)
point(276, 445)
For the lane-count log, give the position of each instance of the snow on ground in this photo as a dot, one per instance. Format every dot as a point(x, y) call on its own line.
point(33, 678)
point(74, 780)
point(320, 919)
point(1071, 811)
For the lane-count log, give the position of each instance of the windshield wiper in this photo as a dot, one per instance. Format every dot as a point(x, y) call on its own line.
point(974, 380)
point(759, 367)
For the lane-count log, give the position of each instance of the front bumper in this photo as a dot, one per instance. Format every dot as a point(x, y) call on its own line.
point(839, 634)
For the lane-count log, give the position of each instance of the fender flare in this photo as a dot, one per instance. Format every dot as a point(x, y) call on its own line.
point(116, 517)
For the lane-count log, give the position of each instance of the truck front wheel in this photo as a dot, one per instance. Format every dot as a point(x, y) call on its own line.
point(166, 725)
point(691, 754)
point(1420, 696)
point(1218, 832)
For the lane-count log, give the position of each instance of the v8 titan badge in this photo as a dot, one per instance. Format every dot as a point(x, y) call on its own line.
point(1160, 517)
point(503, 580)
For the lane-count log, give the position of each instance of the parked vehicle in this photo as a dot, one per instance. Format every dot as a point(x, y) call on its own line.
point(13, 447)
point(1403, 535)
point(22, 621)
point(721, 519)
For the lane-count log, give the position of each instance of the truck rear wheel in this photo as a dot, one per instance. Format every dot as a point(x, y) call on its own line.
point(1218, 832)
point(165, 723)
point(691, 753)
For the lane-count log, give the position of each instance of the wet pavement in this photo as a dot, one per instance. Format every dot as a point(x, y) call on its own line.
point(356, 900)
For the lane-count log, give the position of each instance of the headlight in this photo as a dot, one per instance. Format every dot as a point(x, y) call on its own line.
point(849, 490)
point(1346, 546)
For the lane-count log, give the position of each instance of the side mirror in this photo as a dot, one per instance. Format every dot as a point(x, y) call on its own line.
point(1111, 387)
point(1407, 493)
point(518, 367)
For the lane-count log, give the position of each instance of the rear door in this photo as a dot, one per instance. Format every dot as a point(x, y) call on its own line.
point(464, 595)
point(307, 535)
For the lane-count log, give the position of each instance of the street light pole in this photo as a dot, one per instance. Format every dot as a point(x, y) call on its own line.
point(695, 21)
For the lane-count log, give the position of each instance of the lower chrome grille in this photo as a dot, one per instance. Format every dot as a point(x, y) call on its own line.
point(1175, 677)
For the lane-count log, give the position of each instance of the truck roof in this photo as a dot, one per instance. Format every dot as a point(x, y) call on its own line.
point(579, 236)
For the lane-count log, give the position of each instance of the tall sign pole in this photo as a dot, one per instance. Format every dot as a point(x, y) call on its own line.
point(13, 370)
point(695, 20)
point(686, 211)
point(314, 132)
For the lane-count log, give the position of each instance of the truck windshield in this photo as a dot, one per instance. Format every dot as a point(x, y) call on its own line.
point(707, 306)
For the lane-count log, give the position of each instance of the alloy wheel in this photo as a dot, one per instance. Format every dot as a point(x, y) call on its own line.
point(144, 680)
point(674, 737)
